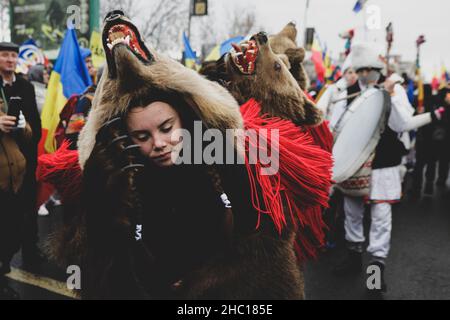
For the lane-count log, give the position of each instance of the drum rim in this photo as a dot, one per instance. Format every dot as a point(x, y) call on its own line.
point(372, 143)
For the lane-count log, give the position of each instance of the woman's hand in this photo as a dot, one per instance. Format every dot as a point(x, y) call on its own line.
point(7, 123)
point(391, 82)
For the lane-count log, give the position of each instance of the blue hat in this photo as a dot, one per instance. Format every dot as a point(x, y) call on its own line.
point(85, 53)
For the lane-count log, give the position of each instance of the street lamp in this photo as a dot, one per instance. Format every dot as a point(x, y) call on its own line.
point(197, 8)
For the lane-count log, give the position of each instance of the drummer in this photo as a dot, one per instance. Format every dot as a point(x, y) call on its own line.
point(331, 103)
point(385, 184)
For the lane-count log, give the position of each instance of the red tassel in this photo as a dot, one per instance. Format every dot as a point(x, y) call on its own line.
point(301, 187)
point(62, 170)
point(322, 136)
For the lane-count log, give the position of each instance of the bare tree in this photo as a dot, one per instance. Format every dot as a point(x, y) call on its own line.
point(223, 23)
point(241, 23)
point(159, 21)
point(167, 20)
point(129, 7)
point(4, 20)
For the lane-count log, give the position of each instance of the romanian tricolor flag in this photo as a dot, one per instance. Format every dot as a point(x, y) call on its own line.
point(421, 94)
point(445, 78)
point(411, 91)
point(327, 64)
point(218, 51)
point(317, 58)
point(435, 82)
point(190, 57)
point(69, 77)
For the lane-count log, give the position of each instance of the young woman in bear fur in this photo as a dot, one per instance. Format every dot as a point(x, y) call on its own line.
point(164, 231)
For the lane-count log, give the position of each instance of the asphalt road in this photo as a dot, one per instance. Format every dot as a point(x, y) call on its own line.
point(419, 264)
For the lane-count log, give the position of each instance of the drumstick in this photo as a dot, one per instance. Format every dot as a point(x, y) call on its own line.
point(398, 80)
point(348, 97)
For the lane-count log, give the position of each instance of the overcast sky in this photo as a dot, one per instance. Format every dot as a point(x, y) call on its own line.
point(330, 17)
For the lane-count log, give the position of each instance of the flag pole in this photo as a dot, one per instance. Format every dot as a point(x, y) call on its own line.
point(305, 19)
point(420, 107)
point(365, 23)
point(389, 40)
point(191, 4)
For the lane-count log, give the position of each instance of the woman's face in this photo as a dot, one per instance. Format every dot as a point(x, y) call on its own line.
point(156, 129)
point(351, 77)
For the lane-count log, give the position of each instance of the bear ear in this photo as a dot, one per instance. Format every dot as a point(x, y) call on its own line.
point(313, 116)
point(289, 31)
point(295, 55)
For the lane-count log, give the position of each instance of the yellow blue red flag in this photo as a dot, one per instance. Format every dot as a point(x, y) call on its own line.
point(69, 77)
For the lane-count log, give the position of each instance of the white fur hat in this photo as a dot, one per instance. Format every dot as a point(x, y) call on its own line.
point(347, 63)
point(366, 55)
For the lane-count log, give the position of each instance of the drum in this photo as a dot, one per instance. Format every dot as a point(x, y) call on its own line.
point(358, 132)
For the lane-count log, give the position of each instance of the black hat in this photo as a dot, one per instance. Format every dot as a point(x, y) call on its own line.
point(9, 46)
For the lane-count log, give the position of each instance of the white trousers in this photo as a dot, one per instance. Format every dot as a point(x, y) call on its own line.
point(380, 229)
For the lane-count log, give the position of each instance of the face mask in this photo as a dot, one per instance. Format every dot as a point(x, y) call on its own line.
point(370, 79)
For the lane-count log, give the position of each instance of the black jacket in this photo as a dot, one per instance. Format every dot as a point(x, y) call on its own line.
point(25, 90)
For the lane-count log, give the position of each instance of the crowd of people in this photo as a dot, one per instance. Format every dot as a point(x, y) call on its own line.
point(379, 182)
point(20, 135)
point(406, 134)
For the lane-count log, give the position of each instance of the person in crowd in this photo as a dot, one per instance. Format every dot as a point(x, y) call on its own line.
point(20, 132)
point(336, 92)
point(385, 183)
point(87, 57)
point(428, 142)
point(444, 137)
point(39, 77)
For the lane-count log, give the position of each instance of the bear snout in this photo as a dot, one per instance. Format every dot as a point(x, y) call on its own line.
point(114, 15)
point(262, 38)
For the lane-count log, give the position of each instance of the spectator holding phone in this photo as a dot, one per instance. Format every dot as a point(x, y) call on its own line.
point(20, 132)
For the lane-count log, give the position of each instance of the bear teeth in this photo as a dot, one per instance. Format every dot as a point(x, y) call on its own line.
point(125, 41)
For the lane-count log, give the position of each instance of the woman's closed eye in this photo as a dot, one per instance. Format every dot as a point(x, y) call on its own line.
point(166, 129)
point(141, 136)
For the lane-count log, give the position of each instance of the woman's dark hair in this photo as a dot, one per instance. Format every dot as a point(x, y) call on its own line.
point(174, 99)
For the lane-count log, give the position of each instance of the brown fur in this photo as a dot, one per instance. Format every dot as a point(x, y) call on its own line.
point(274, 87)
point(285, 43)
point(244, 274)
point(260, 265)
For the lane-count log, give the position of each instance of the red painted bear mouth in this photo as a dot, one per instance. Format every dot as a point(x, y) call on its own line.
point(119, 31)
point(122, 34)
point(244, 56)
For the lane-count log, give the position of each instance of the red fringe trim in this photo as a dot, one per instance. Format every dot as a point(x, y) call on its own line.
point(322, 136)
point(301, 187)
point(62, 170)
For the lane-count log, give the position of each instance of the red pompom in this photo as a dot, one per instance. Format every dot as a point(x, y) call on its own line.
point(62, 170)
